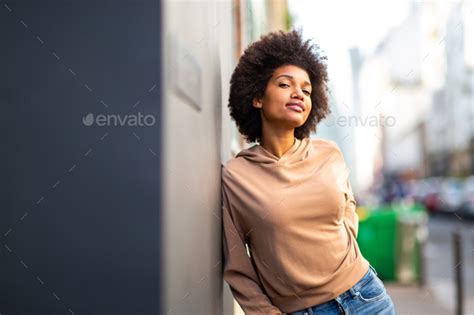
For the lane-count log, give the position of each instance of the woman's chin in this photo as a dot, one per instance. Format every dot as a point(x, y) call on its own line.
point(291, 121)
point(295, 124)
point(296, 121)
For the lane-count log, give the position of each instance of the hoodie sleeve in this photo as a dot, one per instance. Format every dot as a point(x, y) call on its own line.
point(350, 216)
point(351, 220)
point(239, 272)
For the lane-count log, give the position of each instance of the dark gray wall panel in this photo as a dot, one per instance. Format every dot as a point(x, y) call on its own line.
point(80, 206)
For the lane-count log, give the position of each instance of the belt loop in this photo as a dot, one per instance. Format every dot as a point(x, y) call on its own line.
point(353, 292)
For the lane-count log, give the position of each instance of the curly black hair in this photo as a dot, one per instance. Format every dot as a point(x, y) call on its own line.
point(257, 65)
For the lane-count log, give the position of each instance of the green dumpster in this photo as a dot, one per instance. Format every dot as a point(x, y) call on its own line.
point(377, 239)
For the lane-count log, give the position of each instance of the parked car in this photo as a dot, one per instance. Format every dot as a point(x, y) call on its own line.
point(428, 193)
point(451, 195)
point(467, 208)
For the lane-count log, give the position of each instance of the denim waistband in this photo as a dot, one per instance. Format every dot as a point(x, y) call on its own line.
point(356, 288)
point(351, 292)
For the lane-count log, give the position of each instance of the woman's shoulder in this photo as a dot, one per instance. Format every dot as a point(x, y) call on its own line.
point(325, 143)
point(232, 165)
point(245, 159)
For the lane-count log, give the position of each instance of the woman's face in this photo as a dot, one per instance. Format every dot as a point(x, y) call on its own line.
point(287, 99)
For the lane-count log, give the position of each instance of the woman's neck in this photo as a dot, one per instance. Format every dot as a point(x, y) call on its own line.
point(278, 145)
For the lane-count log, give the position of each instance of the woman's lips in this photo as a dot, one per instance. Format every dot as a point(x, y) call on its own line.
point(296, 108)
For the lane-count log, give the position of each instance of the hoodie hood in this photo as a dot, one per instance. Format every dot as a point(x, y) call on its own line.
point(258, 154)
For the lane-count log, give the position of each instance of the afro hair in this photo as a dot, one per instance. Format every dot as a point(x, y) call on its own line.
point(255, 68)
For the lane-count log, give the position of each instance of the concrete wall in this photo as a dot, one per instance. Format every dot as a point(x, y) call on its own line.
point(198, 37)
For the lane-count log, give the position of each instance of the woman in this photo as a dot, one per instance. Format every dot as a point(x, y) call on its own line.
point(288, 198)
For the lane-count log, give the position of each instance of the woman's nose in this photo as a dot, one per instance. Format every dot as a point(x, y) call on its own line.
point(297, 93)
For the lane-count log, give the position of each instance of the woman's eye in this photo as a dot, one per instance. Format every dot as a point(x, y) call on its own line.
point(307, 92)
point(283, 85)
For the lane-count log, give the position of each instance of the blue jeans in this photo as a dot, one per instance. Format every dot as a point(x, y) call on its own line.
point(368, 296)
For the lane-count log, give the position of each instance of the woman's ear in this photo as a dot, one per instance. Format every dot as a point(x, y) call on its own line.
point(257, 102)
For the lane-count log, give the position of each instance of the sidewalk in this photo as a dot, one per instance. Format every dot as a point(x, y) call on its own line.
point(413, 300)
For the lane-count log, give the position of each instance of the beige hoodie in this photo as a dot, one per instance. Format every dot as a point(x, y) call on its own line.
point(297, 216)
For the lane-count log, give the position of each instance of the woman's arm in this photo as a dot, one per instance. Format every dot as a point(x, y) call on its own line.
point(238, 269)
point(350, 216)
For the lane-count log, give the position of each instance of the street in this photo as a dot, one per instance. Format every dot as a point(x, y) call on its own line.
point(440, 263)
